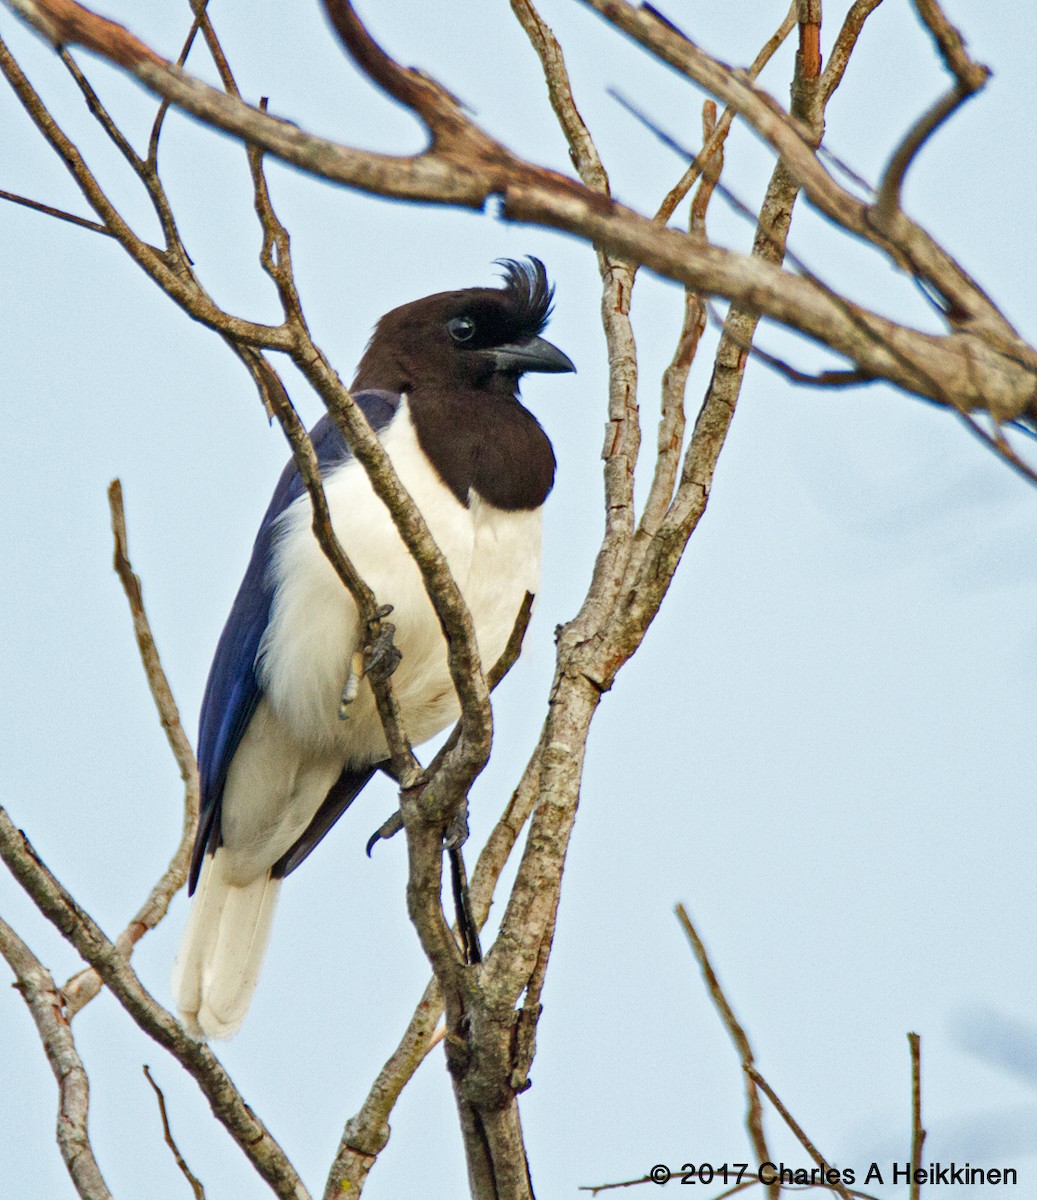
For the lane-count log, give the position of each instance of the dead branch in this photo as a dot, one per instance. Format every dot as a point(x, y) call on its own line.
point(833, 1177)
point(58, 213)
point(85, 985)
point(982, 363)
point(917, 1132)
point(167, 1134)
point(969, 78)
point(754, 1110)
point(78, 928)
point(43, 1000)
point(716, 139)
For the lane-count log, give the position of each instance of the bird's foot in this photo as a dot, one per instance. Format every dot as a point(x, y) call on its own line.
point(379, 658)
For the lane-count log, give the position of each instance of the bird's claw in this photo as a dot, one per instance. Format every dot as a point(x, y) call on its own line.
point(386, 830)
point(380, 658)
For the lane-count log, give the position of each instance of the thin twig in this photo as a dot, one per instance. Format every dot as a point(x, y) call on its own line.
point(177, 256)
point(754, 1110)
point(716, 139)
point(833, 378)
point(163, 108)
point(59, 213)
point(167, 1133)
point(158, 683)
point(623, 438)
point(582, 150)
point(887, 202)
point(951, 45)
point(181, 286)
point(831, 1175)
point(508, 657)
point(366, 1133)
point(99, 112)
point(1000, 446)
point(672, 421)
point(84, 986)
point(750, 1180)
point(845, 42)
point(917, 1132)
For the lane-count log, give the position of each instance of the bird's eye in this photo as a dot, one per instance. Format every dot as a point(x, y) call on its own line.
point(461, 329)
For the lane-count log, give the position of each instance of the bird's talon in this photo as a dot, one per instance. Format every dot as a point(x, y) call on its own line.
point(381, 658)
point(386, 830)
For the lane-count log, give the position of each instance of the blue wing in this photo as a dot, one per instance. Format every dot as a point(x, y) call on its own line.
point(233, 690)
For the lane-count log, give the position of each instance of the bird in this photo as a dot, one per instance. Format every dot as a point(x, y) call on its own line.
point(439, 385)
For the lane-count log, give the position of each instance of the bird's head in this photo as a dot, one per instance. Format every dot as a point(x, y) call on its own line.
point(478, 338)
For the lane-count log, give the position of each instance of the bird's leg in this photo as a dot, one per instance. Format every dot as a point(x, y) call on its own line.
point(379, 657)
point(352, 685)
point(454, 837)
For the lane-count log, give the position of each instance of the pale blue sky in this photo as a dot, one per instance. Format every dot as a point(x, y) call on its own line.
point(825, 748)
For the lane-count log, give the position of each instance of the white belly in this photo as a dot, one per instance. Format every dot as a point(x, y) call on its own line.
point(297, 742)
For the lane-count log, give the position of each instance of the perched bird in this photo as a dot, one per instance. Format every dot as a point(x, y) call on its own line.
point(439, 384)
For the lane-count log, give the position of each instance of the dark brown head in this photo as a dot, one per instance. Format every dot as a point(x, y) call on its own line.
point(478, 338)
point(458, 357)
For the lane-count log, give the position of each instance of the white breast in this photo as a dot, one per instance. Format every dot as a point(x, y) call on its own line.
point(493, 555)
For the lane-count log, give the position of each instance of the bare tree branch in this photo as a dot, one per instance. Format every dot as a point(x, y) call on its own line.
point(982, 364)
point(77, 927)
point(167, 1133)
point(832, 1176)
point(43, 1000)
point(951, 45)
point(847, 37)
point(887, 202)
point(718, 136)
point(58, 213)
point(754, 1110)
point(85, 985)
point(917, 1132)
point(672, 422)
point(797, 149)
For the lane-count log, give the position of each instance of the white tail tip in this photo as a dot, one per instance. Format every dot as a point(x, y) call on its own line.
point(221, 955)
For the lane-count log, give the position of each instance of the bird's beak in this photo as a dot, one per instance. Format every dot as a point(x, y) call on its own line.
point(538, 354)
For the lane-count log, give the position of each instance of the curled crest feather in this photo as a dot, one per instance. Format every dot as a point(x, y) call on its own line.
point(529, 295)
